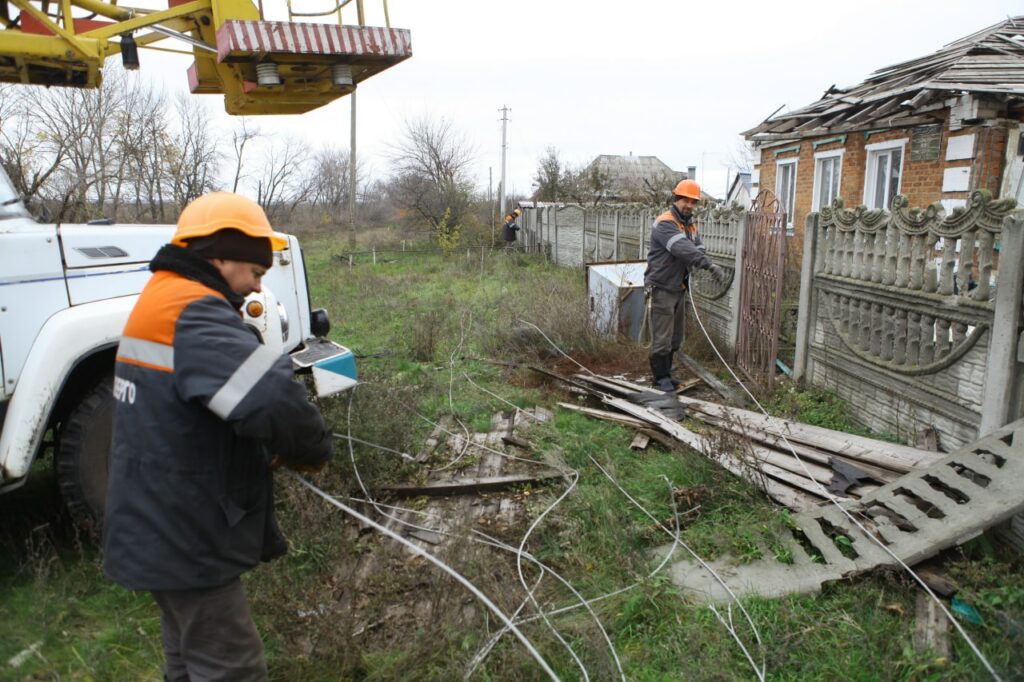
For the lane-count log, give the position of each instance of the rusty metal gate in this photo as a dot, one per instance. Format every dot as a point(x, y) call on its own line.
point(764, 267)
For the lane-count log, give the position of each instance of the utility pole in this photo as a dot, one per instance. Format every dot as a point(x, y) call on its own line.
point(352, 179)
point(504, 149)
point(352, 149)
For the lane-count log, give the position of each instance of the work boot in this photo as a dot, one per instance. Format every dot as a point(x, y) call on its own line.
point(675, 382)
point(666, 384)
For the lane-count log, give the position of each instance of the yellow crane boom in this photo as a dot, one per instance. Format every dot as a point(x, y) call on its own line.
point(261, 67)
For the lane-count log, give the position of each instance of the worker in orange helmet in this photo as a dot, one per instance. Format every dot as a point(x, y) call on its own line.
point(201, 408)
point(676, 250)
point(510, 228)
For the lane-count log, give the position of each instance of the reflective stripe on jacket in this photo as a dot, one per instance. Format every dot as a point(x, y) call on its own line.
point(675, 250)
point(200, 407)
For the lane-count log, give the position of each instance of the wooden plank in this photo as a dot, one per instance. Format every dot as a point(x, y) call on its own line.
point(901, 458)
point(640, 441)
point(710, 379)
point(469, 486)
point(617, 417)
point(931, 632)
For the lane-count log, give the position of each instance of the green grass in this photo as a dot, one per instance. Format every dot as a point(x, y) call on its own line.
point(422, 322)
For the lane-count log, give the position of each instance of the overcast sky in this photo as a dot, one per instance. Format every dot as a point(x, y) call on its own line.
point(675, 80)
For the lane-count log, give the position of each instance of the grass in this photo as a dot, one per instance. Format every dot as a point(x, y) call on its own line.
point(420, 323)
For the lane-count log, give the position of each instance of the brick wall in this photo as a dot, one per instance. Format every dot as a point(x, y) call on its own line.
point(922, 179)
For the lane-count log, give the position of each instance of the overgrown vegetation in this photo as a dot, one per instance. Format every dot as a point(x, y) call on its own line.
point(421, 325)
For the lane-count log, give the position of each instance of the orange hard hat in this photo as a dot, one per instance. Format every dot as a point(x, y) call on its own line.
point(217, 211)
point(687, 188)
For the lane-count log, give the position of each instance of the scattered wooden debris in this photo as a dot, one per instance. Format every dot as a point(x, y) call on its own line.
point(932, 631)
point(711, 380)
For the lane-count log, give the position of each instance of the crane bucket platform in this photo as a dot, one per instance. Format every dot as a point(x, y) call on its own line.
point(261, 67)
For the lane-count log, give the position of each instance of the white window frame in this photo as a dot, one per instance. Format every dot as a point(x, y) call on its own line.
point(791, 161)
point(873, 151)
point(818, 158)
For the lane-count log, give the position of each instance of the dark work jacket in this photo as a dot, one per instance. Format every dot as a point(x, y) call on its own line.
point(201, 406)
point(508, 232)
point(676, 250)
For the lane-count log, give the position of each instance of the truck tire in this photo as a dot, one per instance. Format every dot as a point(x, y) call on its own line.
point(83, 453)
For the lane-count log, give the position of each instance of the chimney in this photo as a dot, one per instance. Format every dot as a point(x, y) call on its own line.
point(691, 172)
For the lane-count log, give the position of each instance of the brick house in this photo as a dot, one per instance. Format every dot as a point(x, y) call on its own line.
point(934, 128)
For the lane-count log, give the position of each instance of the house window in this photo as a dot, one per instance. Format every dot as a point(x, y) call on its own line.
point(828, 167)
point(884, 173)
point(785, 188)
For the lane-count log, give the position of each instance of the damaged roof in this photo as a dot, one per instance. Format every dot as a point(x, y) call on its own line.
point(990, 61)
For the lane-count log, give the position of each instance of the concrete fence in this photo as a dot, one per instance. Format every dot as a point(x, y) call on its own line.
point(913, 317)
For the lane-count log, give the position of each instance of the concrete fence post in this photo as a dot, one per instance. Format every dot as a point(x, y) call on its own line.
point(737, 283)
point(554, 226)
point(615, 247)
point(805, 317)
point(583, 240)
point(997, 409)
point(643, 234)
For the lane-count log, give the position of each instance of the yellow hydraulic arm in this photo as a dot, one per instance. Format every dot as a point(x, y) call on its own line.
point(261, 67)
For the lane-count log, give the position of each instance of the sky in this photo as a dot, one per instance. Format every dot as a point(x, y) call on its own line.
point(663, 78)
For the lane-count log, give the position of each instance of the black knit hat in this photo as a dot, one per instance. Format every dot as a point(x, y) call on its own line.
point(234, 245)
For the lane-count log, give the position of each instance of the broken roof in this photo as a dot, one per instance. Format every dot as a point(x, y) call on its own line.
point(990, 61)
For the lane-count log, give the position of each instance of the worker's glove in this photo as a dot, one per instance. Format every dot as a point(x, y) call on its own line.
point(717, 273)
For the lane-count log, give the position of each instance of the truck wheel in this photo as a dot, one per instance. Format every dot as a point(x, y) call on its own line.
point(83, 453)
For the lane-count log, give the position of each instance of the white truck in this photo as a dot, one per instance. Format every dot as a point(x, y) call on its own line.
point(65, 294)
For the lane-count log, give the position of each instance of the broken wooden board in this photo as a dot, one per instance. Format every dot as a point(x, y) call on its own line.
point(616, 417)
point(711, 380)
point(640, 441)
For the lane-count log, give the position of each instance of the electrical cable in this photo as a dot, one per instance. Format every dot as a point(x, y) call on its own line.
point(566, 355)
point(828, 495)
point(760, 672)
point(437, 562)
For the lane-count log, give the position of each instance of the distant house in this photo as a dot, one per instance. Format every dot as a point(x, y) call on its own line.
point(741, 190)
point(933, 128)
point(623, 179)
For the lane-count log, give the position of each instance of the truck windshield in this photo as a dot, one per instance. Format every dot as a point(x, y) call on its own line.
point(11, 205)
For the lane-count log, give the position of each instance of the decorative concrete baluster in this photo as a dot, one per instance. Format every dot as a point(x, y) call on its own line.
point(959, 333)
point(985, 241)
point(914, 338)
point(903, 260)
point(832, 255)
point(899, 345)
point(853, 315)
point(941, 338)
point(865, 326)
point(965, 262)
point(842, 312)
point(891, 254)
point(876, 329)
point(857, 268)
point(927, 339)
point(821, 253)
point(850, 258)
point(931, 277)
point(947, 266)
point(916, 263)
point(878, 255)
point(888, 332)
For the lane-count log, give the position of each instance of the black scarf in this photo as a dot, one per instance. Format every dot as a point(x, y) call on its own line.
point(191, 265)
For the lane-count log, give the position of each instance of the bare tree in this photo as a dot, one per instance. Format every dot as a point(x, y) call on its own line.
point(330, 183)
point(193, 167)
point(284, 182)
point(431, 166)
point(244, 133)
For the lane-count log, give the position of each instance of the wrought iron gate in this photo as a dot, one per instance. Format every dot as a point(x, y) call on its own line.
point(764, 267)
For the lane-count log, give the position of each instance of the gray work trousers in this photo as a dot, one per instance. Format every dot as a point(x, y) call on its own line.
point(668, 315)
point(209, 634)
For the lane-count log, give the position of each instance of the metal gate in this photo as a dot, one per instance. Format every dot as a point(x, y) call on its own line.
point(764, 267)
